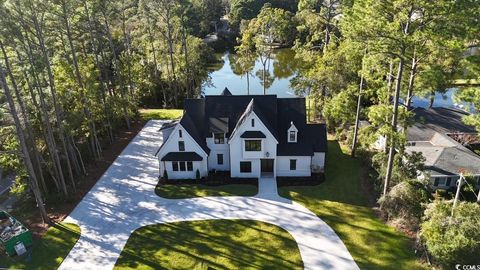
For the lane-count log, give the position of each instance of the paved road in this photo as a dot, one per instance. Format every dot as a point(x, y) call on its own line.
point(124, 200)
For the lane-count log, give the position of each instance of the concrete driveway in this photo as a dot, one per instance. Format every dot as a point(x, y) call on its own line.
point(124, 200)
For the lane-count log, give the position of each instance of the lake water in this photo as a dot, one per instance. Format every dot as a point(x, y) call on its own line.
point(282, 68)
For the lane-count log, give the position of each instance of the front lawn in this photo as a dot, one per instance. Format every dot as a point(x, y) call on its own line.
point(48, 252)
point(342, 203)
point(182, 191)
point(211, 244)
point(155, 114)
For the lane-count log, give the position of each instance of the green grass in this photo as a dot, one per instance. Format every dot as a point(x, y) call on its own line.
point(48, 252)
point(342, 204)
point(190, 191)
point(218, 244)
point(168, 114)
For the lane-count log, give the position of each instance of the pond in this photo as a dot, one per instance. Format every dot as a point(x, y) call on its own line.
point(282, 68)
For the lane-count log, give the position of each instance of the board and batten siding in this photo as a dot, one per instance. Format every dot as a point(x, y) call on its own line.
point(303, 166)
point(171, 145)
point(216, 149)
point(238, 153)
point(318, 162)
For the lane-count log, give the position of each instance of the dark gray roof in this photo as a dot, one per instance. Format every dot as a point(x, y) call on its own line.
point(275, 113)
point(182, 156)
point(442, 120)
point(226, 92)
point(253, 134)
point(194, 114)
point(218, 125)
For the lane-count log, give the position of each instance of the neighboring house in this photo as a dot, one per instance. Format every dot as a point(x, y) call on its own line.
point(249, 136)
point(445, 158)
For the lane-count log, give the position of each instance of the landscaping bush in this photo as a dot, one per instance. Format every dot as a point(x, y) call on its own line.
point(452, 240)
point(405, 203)
point(314, 180)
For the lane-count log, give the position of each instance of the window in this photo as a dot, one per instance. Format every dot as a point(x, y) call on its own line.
point(175, 166)
point(245, 166)
point(182, 166)
point(181, 146)
point(189, 166)
point(293, 164)
point(253, 122)
point(180, 133)
point(253, 145)
point(440, 181)
point(292, 136)
point(220, 159)
point(219, 138)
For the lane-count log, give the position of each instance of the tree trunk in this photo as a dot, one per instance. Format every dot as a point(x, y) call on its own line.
point(357, 116)
point(411, 80)
point(391, 153)
point(23, 145)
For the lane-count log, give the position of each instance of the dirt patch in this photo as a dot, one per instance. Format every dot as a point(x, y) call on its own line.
point(95, 169)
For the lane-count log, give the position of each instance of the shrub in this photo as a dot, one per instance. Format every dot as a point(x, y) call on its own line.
point(452, 239)
point(405, 203)
point(197, 174)
point(165, 175)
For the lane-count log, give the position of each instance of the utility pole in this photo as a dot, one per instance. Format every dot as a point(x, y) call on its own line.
point(457, 195)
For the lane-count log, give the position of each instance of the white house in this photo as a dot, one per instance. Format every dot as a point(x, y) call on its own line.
point(248, 136)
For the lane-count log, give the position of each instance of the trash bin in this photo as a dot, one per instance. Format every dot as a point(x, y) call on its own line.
point(14, 237)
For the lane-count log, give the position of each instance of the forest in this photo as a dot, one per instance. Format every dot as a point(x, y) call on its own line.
point(74, 73)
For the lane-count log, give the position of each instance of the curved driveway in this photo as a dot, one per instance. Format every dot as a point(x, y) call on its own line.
point(124, 200)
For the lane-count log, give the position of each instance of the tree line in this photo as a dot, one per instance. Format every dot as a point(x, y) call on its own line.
point(74, 72)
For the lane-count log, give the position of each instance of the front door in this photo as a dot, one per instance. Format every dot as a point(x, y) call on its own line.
point(267, 166)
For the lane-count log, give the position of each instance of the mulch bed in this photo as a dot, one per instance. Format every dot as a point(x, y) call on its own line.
point(95, 169)
point(215, 179)
point(314, 180)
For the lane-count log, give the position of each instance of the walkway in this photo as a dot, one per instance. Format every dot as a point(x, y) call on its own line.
point(124, 200)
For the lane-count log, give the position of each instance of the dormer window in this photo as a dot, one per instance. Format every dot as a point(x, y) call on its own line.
point(292, 133)
point(292, 137)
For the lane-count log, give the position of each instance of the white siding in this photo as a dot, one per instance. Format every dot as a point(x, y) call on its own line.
point(318, 162)
point(197, 165)
point(218, 149)
point(237, 150)
point(171, 145)
point(303, 166)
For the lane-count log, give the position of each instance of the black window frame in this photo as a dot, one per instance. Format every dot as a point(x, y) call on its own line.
point(245, 167)
point(220, 159)
point(180, 133)
point(253, 122)
point(293, 164)
point(181, 146)
point(257, 147)
point(219, 140)
point(183, 166)
point(175, 166)
point(189, 166)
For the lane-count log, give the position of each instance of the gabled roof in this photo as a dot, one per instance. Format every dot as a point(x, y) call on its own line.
point(255, 108)
point(226, 92)
point(224, 113)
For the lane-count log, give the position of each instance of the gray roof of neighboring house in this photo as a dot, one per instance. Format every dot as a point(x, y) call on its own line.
point(276, 113)
point(442, 120)
point(446, 161)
